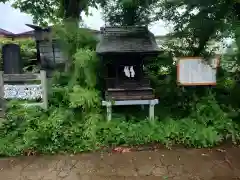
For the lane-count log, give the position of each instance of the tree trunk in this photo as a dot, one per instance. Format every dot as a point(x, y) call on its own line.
point(72, 12)
point(70, 24)
point(129, 16)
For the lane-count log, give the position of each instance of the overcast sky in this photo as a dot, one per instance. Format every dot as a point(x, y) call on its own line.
point(13, 20)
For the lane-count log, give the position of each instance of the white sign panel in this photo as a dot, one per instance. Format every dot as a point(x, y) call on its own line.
point(28, 92)
point(196, 71)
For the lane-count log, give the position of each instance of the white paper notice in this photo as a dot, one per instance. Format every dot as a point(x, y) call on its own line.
point(195, 71)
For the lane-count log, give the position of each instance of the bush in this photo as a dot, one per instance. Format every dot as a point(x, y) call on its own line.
point(73, 130)
point(192, 116)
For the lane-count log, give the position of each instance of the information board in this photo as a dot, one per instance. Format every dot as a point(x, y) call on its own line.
point(196, 71)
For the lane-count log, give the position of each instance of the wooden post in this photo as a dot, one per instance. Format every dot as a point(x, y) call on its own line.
point(43, 76)
point(151, 111)
point(2, 102)
point(109, 111)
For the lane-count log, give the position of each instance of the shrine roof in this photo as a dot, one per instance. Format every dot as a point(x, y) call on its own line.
point(126, 39)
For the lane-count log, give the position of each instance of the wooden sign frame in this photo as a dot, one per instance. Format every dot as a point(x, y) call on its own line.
point(26, 78)
point(191, 58)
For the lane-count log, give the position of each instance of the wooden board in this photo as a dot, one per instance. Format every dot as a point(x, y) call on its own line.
point(20, 77)
point(130, 94)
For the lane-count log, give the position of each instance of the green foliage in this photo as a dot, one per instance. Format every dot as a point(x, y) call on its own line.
point(219, 19)
point(68, 125)
point(52, 11)
point(128, 12)
point(71, 38)
point(85, 98)
point(85, 63)
point(192, 116)
point(64, 131)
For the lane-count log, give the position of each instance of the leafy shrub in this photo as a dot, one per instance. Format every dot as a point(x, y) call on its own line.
point(74, 121)
point(62, 131)
point(192, 116)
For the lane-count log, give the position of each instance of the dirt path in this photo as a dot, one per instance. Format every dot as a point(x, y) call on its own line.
point(177, 164)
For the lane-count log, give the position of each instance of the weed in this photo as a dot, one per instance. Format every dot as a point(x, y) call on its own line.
point(74, 122)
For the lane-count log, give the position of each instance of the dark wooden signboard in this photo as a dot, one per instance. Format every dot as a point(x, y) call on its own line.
point(12, 62)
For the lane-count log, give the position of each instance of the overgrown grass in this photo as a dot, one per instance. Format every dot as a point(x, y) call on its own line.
point(75, 122)
point(62, 130)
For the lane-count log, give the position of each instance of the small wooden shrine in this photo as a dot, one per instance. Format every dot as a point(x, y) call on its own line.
point(123, 52)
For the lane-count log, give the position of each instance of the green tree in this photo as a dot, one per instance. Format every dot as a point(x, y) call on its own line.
point(63, 12)
point(46, 11)
point(127, 12)
point(202, 20)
